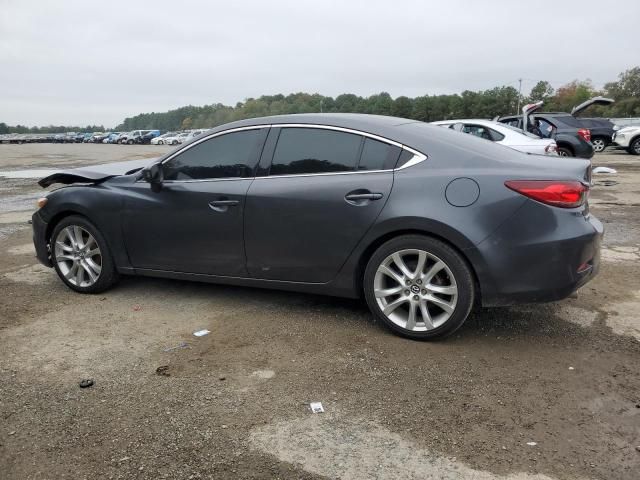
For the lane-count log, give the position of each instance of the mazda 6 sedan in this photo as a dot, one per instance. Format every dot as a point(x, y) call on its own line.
point(420, 221)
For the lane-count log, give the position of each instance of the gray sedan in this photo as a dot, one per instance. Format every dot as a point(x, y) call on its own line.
point(420, 221)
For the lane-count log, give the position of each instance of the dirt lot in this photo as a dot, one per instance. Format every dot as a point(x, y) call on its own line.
point(234, 403)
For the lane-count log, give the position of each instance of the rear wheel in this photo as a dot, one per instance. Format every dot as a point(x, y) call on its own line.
point(419, 287)
point(634, 147)
point(599, 144)
point(81, 257)
point(565, 152)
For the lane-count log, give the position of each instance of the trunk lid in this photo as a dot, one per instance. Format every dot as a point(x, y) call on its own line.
point(592, 101)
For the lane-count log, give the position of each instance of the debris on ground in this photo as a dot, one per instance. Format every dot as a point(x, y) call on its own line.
point(316, 407)
point(222, 379)
point(163, 370)
point(571, 368)
point(86, 383)
point(605, 183)
point(201, 333)
point(14, 432)
point(599, 170)
point(181, 345)
point(532, 444)
point(137, 308)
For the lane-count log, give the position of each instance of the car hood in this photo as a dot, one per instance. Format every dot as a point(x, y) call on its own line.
point(95, 173)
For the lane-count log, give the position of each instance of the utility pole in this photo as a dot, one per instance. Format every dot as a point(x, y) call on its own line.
point(519, 94)
point(321, 100)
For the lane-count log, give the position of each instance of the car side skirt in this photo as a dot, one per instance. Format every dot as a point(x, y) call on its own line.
point(314, 288)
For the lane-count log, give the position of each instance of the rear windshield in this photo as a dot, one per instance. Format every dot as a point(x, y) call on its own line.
point(519, 130)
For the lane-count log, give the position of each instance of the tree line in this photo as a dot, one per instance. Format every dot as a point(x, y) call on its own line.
point(502, 100)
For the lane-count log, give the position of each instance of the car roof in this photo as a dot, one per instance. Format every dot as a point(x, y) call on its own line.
point(466, 120)
point(423, 137)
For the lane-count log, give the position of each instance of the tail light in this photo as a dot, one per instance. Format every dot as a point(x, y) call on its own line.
point(585, 133)
point(551, 149)
point(558, 193)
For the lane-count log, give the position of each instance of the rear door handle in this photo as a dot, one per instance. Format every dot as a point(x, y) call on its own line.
point(354, 197)
point(222, 205)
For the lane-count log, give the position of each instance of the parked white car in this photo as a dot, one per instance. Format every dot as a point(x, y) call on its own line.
point(162, 139)
point(627, 138)
point(176, 138)
point(504, 135)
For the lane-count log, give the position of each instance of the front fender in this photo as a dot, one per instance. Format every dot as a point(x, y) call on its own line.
point(101, 204)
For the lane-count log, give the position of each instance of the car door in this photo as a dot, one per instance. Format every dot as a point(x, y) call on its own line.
point(194, 224)
point(319, 191)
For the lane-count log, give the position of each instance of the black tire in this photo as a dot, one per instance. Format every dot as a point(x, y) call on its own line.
point(457, 265)
point(634, 147)
point(565, 152)
point(599, 144)
point(108, 275)
point(129, 142)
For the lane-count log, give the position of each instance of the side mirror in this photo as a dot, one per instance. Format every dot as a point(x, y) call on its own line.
point(153, 175)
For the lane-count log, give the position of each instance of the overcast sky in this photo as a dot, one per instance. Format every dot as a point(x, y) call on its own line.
point(80, 62)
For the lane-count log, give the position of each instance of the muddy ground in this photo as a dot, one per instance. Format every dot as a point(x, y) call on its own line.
point(234, 403)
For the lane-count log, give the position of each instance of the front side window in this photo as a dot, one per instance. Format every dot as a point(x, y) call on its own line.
point(230, 155)
point(314, 150)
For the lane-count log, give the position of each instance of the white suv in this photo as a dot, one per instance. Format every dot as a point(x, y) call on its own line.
point(628, 138)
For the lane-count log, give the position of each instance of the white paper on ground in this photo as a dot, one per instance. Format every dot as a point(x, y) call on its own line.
point(316, 407)
point(604, 170)
point(201, 333)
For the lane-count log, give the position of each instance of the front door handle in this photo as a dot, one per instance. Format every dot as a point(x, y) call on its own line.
point(222, 205)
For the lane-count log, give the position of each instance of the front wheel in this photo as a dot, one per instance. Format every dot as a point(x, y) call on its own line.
point(81, 257)
point(160, 142)
point(419, 287)
point(634, 147)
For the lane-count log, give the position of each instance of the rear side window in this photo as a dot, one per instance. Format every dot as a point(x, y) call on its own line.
point(229, 155)
point(478, 131)
point(376, 155)
point(495, 135)
point(315, 150)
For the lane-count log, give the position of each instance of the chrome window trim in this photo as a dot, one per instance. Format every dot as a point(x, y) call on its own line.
point(212, 135)
point(417, 158)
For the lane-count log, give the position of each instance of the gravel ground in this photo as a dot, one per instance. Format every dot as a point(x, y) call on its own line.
point(532, 392)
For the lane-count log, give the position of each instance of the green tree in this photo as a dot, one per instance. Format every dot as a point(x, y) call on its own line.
point(541, 91)
point(187, 123)
point(402, 107)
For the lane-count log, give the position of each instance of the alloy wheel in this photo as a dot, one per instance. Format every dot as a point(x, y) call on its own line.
point(415, 290)
point(78, 256)
point(598, 145)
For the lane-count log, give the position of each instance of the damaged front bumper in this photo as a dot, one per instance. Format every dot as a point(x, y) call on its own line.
point(40, 240)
